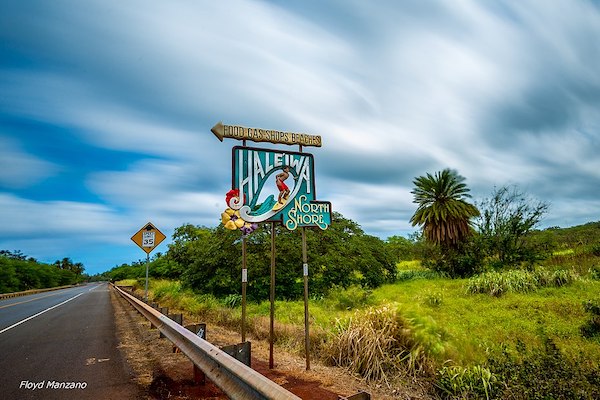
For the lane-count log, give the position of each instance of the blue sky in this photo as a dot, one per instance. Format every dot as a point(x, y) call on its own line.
point(106, 109)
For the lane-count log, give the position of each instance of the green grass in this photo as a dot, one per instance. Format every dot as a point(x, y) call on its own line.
point(409, 265)
point(520, 281)
point(566, 252)
point(476, 323)
point(127, 282)
point(451, 327)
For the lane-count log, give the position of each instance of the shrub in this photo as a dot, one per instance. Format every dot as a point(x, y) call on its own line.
point(519, 281)
point(543, 373)
point(232, 300)
point(381, 343)
point(349, 298)
point(592, 327)
point(410, 274)
point(595, 272)
point(464, 382)
point(434, 299)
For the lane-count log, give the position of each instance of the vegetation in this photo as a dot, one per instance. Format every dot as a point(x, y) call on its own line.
point(543, 372)
point(519, 281)
point(449, 242)
point(513, 327)
point(382, 343)
point(19, 272)
point(506, 219)
point(208, 260)
point(591, 328)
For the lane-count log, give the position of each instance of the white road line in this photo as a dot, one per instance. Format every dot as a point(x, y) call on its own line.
point(40, 313)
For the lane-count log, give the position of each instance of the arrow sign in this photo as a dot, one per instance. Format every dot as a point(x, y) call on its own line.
point(222, 131)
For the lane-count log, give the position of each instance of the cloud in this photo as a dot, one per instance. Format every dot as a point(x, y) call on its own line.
point(19, 169)
point(503, 92)
point(55, 219)
point(164, 189)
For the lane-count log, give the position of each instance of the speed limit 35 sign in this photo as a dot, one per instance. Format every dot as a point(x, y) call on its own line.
point(148, 237)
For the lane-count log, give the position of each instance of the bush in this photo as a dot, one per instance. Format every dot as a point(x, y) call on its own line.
point(592, 327)
point(434, 299)
point(232, 300)
point(464, 260)
point(595, 272)
point(381, 344)
point(466, 382)
point(543, 373)
point(519, 281)
point(410, 274)
point(350, 298)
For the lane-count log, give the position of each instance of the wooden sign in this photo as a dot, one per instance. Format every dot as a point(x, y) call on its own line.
point(277, 186)
point(264, 135)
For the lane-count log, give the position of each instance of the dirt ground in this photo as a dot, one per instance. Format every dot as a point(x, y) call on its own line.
point(167, 375)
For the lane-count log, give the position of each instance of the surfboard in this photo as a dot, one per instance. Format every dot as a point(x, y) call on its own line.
point(279, 206)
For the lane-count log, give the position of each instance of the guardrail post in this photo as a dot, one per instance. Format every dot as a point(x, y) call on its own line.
point(200, 331)
point(357, 396)
point(241, 352)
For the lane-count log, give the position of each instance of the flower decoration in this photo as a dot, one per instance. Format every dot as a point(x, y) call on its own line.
point(231, 218)
point(233, 193)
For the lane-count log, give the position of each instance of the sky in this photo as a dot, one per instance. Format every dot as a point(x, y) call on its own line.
point(106, 109)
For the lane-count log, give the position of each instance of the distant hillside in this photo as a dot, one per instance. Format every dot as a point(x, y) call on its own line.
point(576, 236)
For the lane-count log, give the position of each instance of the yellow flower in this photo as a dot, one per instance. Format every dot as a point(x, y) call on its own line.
point(231, 219)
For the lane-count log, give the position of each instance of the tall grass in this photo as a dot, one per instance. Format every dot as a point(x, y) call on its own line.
point(382, 343)
point(519, 281)
point(466, 382)
point(394, 331)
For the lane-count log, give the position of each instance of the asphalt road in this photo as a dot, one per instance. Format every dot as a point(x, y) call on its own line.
point(62, 345)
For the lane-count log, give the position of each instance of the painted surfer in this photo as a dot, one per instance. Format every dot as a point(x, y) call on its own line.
point(284, 191)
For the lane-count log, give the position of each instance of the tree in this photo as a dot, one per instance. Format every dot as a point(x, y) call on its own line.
point(507, 217)
point(343, 255)
point(443, 212)
point(401, 247)
point(68, 265)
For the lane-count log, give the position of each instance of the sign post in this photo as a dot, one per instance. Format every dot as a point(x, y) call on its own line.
point(250, 202)
point(244, 283)
point(272, 299)
point(305, 274)
point(147, 239)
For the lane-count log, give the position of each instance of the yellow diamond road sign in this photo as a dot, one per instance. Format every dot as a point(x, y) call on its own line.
point(148, 237)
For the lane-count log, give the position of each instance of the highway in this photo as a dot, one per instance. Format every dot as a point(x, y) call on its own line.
point(62, 345)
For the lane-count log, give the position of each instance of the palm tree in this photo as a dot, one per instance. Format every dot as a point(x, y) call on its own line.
point(443, 211)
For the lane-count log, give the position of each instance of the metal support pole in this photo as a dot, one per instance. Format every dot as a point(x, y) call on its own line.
point(147, 262)
point(272, 297)
point(244, 283)
point(305, 273)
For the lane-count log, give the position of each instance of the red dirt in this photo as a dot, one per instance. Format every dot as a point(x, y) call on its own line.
point(305, 389)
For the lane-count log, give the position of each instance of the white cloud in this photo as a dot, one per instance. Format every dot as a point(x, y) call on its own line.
point(163, 189)
point(503, 92)
point(19, 169)
point(58, 219)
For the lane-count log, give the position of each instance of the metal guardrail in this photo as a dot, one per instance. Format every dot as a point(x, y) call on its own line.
point(32, 291)
point(234, 378)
